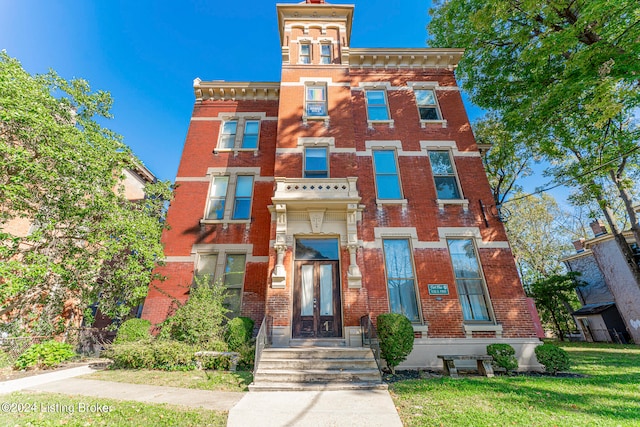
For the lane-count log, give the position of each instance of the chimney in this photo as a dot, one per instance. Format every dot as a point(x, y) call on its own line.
point(579, 245)
point(598, 228)
point(315, 1)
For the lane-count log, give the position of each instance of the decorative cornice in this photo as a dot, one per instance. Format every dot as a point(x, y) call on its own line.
point(219, 90)
point(404, 58)
point(322, 13)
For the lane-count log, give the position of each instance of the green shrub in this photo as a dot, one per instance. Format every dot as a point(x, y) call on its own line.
point(173, 355)
point(553, 358)
point(503, 355)
point(247, 356)
point(163, 355)
point(222, 363)
point(201, 318)
point(46, 354)
point(213, 345)
point(131, 355)
point(133, 330)
point(239, 332)
point(4, 359)
point(396, 338)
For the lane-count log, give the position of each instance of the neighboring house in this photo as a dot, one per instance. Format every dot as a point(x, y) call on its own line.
point(133, 184)
point(611, 296)
point(352, 187)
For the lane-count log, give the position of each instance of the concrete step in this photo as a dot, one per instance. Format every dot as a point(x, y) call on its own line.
point(316, 368)
point(336, 364)
point(315, 342)
point(316, 376)
point(318, 386)
point(315, 353)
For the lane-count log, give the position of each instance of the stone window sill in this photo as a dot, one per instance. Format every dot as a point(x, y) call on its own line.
point(442, 202)
point(470, 328)
point(424, 123)
point(381, 202)
point(370, 123)
point(225, 222)
point(324, 119)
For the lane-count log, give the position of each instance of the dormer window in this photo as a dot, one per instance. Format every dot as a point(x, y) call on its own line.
point(305, 53)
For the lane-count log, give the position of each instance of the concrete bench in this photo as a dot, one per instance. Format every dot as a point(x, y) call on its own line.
point(483, 361)
point(233, 356)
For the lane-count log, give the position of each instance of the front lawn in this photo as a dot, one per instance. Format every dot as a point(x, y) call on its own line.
point(47, 409)
point(202, 380)
point(609, 394)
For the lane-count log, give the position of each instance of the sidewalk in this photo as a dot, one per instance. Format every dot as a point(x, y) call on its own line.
point(370, 408)
point(268, 408)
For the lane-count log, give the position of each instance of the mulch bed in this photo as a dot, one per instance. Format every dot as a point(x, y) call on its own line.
point(428, 374)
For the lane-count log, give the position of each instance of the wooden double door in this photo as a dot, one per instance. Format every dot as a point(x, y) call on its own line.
point(316, 302)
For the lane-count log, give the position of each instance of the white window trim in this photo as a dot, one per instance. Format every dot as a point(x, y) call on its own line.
point(328, 157)
point(241, 119)
point(410, 234)
point(464, 202)
point(384, 86)
point(429, 86)
point(476, 325)
point(305, 117)
point(221, 252)
point(381, 202)
point(229, 204)
point(388, 121)
point(396, 146)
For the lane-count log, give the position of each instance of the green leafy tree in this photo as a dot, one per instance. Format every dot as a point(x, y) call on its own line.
point(566, 74)
point(201, 319)
point(540, 233)
point(507, 160)
point(556, 299)
point(61, 172)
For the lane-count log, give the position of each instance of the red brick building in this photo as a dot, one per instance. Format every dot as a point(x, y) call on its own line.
point(352, 187)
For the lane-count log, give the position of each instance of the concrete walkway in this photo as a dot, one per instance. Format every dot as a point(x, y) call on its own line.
point(315, 408)
point(267, 408)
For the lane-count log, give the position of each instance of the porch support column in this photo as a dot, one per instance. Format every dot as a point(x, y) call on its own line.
point(279, 275)
point(353, 274)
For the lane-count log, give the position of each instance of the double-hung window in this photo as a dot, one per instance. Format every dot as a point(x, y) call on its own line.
point(230, 275)
point(233, 280)
point(315, 101)
point(315, 162)
point(242, 200)
point(444, 175)
point(427, 104)
point(305, 53)
point(228, 134)
point(377, 105)
point(469, 280)
point(239, 133)
point(387, 177)
point(217, 197)
point(206, 267)
point(250, 135)
point(325, 53)
point(401, 282)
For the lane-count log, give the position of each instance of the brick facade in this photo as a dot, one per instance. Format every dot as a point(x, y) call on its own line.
point(344, 205)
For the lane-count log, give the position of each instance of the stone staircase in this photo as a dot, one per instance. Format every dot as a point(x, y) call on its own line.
point(317, 368)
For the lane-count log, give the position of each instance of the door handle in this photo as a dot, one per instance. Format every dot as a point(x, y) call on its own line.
point(315, 302)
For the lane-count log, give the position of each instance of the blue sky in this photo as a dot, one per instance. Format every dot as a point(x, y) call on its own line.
point(147, 53)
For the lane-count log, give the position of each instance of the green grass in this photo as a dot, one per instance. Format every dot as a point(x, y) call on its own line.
point(46, 409)
point(201, 380)
point(609, 395)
